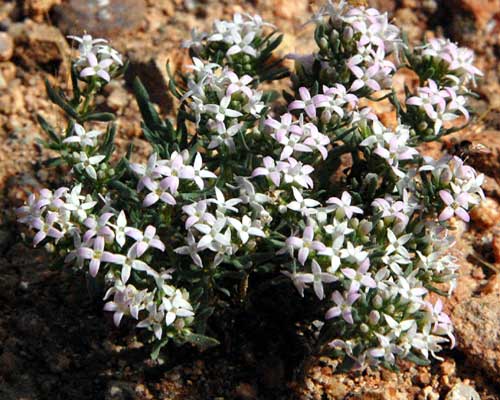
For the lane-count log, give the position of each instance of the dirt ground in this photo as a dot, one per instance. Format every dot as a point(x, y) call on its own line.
point(55, 340)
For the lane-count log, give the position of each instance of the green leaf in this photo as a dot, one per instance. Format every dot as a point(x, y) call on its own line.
point(99, 116)
point(157, 346)
point(417, 360)
point(48, 129)
point(57, 99)
point(149, 114)
point(202, 341)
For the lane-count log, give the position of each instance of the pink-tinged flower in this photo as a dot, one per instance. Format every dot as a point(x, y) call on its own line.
point(145, 240)
point(269, 169)
point(318, 277)
point(147, 172)
point(131, 262)
point(238, 84)
point(343, 206)
point(442, 322)
point(454, 206)
point(316, 140)
point(429, 97)
point(126, 300)
point(52, 200)
point(359, 277)
point(98, 227)
point(291, 143)
point(295, 171)
point(299, 280)
point(197, 213)
point(305, 244)
point(96, 255)
point(46, 228)
point(283, 127)
point(343, 306)
point(158, 191)
point(99, 68)
point(307, 103)
point(367, 79)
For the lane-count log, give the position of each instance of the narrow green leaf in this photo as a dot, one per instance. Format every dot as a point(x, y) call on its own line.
point(202, 341)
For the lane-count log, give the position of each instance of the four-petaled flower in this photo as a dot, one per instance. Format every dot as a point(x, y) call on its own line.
point(343, 306)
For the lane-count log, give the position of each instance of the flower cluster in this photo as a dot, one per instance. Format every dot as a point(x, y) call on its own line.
point(244, 42)
point(321, 195)
point(98, 238)
point(458, 60)
point(96, 58)
point(354, 47)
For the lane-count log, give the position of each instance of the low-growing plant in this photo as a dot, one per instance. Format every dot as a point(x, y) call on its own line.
point(323, 195)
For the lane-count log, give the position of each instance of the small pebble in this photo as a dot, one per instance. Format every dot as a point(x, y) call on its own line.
point(6, 46)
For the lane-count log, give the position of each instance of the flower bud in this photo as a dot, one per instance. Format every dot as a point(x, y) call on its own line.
point(354, 222)
point(326, 116)
point(321, 217)
point(377, 301)
point(422, 126)
point(348, 33)
point(365, 227)
point(50, 248)
point(364, 328)
point(323, 43)
point(390, 308)
point(334, 36)
point(374, 317)
point(282, 209)
point(413, 308)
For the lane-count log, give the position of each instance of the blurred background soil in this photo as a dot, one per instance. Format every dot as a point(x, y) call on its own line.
point(55, 341)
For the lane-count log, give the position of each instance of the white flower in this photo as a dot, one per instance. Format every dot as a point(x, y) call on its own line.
point(82, 137)
point(304, 206)
point(305, 244)
point(224, 205)
point(242, 44)
point(191, 249)
point(221, 111)
point(175, 307)
point(99, 68)
point(201, 173)
point(343, 206)
point(87, 163)
point(318, 277)
point(245, 228)
point(144, 240)
point(225, 136)
point(96, 255)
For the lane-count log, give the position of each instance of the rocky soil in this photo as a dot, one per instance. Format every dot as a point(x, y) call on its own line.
point(55, 341)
